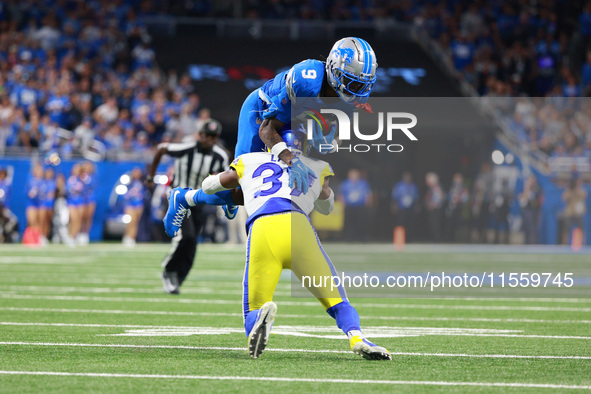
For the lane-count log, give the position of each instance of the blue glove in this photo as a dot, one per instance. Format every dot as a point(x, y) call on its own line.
point(299, 175)
point(319, 140)
point(230, 211)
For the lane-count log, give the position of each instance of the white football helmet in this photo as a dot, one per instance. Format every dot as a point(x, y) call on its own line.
point(351, 68)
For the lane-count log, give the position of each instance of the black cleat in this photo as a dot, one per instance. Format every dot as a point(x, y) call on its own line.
point(170, 282)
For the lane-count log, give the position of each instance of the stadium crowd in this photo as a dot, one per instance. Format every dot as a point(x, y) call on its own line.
point(79, 77)
point(74, 80)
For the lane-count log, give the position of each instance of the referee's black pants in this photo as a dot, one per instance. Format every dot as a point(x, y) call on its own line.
point(184, 246)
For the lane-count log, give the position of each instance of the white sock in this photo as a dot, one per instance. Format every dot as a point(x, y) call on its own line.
point(190, 197)
point(354, 333)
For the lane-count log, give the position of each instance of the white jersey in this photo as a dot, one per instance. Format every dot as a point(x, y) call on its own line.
point(265, 184)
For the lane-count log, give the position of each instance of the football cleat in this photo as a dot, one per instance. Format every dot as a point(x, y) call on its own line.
point(170, 282)
point(178, 208)
point(368, 350)
point(259, 335)
point(230, 211)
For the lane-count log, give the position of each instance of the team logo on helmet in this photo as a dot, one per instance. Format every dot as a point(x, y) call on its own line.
point(346, 53)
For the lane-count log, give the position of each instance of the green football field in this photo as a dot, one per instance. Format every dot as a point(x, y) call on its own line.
point(95, 319)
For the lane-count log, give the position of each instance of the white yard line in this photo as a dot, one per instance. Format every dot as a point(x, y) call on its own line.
point(375, 332)
point(215, 290)
point(45, 260)
point(412, 354)
point(304, 380)
point(409, 318)
point(120, 311)
point(296, 303)
point(124, 290)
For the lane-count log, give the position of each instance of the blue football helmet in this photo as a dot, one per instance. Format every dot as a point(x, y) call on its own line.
point(351, 68)
point(297, 141)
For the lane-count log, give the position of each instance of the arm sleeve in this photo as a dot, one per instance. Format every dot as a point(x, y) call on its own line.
point(325, 207)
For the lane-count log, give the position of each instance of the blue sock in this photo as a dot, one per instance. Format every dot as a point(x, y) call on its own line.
point(249, 320)
point(219, 198)
point(346, 316)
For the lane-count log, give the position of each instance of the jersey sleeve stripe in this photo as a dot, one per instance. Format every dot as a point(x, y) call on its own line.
point(238, 165)
point(326, 172)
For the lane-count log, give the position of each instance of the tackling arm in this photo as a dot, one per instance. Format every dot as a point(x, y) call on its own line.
point(270, 136)
point(226, 180)
point(325, 202)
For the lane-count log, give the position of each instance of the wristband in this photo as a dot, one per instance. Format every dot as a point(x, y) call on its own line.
point(278, 148)
point(212, 184)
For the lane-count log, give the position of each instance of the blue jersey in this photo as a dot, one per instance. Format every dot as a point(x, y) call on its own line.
point(89, 187)
point(405, 195)
point(302, 80)
point(34, 186)
point(74, 188)
point(275, 98)
point(57, 108)
point(47, 195)
point(355, 193)
point(135, 194)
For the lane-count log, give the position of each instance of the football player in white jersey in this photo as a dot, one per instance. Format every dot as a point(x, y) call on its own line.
point(280, 236)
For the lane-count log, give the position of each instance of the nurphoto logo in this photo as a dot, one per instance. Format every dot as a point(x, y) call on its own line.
point(392, 121)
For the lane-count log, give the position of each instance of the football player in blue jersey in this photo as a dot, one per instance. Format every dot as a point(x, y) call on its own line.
point(349, 73)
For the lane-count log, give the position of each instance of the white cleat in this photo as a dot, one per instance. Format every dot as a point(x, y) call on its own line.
point(368, 350)
point(259, 336)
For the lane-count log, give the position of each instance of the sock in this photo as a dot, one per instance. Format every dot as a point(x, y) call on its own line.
point(198, 197)
point(346, 316)
point(249, 320)
point(354, 333)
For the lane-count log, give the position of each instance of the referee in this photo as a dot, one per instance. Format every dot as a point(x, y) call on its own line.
point(194, 161)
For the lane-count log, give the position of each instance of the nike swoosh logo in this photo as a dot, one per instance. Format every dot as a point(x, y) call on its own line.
point(174, 197)
point(293, 79)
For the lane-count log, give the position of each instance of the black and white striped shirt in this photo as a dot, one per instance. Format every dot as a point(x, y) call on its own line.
point(192, 165)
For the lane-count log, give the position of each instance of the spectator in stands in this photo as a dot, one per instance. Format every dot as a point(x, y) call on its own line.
point(457, 198)
point(405, 198)
point(134, 206)
point(462, 51)
point(574, 197)
point(355, 193)
point(7, 112)
point(434, 203)
point(107, 113)
point(530, 201)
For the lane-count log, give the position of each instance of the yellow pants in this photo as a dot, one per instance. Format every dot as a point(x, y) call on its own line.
point(285, 240)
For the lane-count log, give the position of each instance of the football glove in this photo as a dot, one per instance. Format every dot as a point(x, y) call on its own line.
point(320, 141)
point(299, 175)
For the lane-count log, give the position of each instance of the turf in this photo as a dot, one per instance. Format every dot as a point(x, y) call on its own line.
point(60, 306)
